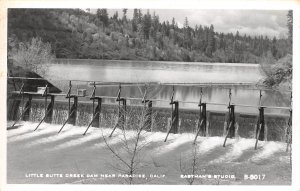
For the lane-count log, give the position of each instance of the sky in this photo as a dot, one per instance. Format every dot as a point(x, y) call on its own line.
point(251, 22)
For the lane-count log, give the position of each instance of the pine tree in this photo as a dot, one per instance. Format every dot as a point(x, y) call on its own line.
point(210, 41)
point(146, 25)
point(237, 35)
point(167, 29)
point(140, 16)
point(186, 23)
point(154, 25)
point(274, 48)
point(134, 21)
point(187, 34)
point(173, 23)
point(124, 19)
point(115, 16)
point(102, 15)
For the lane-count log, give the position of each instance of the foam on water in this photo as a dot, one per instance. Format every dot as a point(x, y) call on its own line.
point(71, 136)
point(209, 143)
point(26, 131)
point(118, 137)
point(153, 137)
point(17, 131)
point(68, 131)
point(237, 149)
point(174, 142)
point(268, 149)
point(92, 135)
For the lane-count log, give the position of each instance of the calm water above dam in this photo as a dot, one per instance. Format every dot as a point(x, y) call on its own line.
point(170, 72)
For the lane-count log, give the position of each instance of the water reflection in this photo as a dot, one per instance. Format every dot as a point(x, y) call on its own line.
point(134, 71)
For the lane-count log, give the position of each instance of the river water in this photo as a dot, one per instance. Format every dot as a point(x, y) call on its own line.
point(63, 70)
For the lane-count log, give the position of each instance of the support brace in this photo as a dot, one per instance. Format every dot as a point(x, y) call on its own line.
point(96, 114)
point(121, 116)
point(175, 119)
point(260, 127)
point(50, 107)
point(202, 122)
point(72, 112)
point(122, 112)
point(48, 115)
point(230, 127)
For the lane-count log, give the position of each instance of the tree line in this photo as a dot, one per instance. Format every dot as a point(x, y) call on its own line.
point(76, 33)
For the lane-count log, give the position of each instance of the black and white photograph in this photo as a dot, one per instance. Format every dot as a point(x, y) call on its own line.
point(137, 96)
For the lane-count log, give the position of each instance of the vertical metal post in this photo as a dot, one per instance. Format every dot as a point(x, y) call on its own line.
point(144, 96)
point(45, 95)
point(119, 100)
point(92, 97)
point(148, 125)
point(261, 135)
point(69, 95)
point(229, 97)
point(174, 117)
point(202, 116)
point(73, 111)
point(122, 116)
point(232, 121)
point(202, 126)
point(172, 110)
point(96, 115)
point(48, 114)
point(22, 99)
point(260, 96)
point(230, 127)
point(50, 107)
point(202, 122)
point(121, 112)
point(260, 127)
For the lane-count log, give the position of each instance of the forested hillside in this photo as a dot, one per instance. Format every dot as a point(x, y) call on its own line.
point(74, 33)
